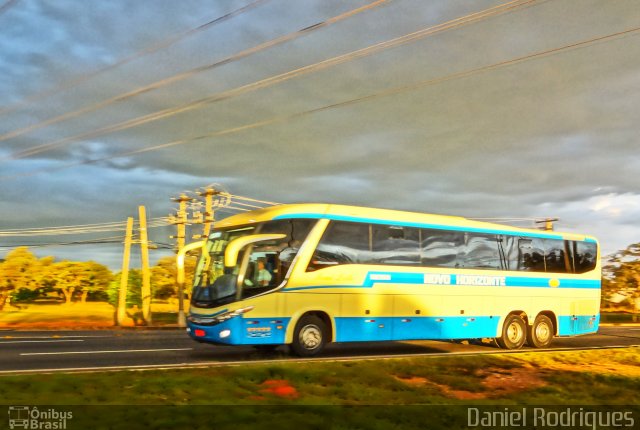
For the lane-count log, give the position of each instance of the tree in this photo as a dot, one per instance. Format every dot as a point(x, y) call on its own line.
point(621, 277)
point(21, 270)
point(99, 280)
point(71, 277)
point(134, 295)
point(163, 276)
point(134, 289)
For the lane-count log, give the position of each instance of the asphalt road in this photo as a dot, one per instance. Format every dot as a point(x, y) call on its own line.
point(47, 351)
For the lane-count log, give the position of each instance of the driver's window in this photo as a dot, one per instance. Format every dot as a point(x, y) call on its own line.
point(262, 271)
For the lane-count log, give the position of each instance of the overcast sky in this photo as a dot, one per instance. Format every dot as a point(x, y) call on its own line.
point(552, 136)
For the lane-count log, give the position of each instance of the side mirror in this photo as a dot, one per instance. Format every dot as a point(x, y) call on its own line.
point(234, 247)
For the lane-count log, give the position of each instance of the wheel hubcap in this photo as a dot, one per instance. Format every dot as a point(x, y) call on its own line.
point(514, 332)
point(543, 332)
point(310, 336)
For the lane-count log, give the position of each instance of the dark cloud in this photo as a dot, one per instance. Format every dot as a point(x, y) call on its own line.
point(554, 136)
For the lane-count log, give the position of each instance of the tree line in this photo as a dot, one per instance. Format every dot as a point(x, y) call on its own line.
point(621, 279)
point(26, 278)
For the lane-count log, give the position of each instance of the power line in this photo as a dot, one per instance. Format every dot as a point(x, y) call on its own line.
point(253, 200)
point(150, 50)
point(411, 37)
point(78, 229)
point(503, 219)
point(384, 93)
point(249, 205)
point(103, 240)
point(117, 225)
point(176, 78)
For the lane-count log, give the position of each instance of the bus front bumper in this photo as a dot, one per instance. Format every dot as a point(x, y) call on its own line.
point(238, 331)
point(224, 332)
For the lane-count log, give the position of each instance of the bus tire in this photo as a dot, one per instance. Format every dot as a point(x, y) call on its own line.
point(540, 334)
point(309, 336)
point(514, 333)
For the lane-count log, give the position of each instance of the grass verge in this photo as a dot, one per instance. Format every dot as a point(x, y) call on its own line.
point(76, 315)
point(389, 393)
point(536, 377)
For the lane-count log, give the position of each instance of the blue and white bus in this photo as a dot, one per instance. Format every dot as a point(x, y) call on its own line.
point(351, 274)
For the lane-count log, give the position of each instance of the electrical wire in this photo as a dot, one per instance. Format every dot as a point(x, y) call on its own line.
point(106, 226)
point(79, 229)
point(150, 50)
point(179, 77)
point(248, 205)
point(384, 93)
point(254, 200)
point(504, 219)
point(104, 240)
point(276, 79)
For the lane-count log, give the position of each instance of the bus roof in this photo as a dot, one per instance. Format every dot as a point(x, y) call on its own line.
point(387, 217)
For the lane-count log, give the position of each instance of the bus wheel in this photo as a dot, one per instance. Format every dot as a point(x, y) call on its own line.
point(540, 333)
point(309, 336)
point(514, 333)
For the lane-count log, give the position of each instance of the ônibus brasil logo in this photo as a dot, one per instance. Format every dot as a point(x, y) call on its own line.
point(30, 417)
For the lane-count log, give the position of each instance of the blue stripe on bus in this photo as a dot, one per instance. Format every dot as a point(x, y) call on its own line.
point(249, 331)
point(419, 278)
point(420, 225)
point(243, 331)
point(569, 325)
point(356, 329)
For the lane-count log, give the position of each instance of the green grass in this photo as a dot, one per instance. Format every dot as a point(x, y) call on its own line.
point(386, 394)
point(567, 377)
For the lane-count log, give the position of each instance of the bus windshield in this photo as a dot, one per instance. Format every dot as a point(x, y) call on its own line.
point(260, 267)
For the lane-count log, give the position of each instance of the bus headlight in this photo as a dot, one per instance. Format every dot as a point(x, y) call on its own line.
point(225, 333)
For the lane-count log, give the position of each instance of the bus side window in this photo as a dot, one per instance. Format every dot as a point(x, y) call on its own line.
point(395, 245)
point(531, 258)
point(342, 243)
point(511, 252)
point(440, 248)
point(555, 256)
point(585, 256)
point(481, 252)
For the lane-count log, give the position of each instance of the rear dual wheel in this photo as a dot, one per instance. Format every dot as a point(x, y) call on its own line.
point(540, 333)
point(515, 332)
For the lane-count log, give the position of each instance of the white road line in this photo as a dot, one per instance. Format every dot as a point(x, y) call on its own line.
point(53, 336)
point(209, 364)
point(106, 352)
point(2, 342)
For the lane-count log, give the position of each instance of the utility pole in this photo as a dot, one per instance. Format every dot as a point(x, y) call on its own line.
point(146, 274)
point(124, 278)
point(181, 220)
point(208, 194)
point(181, 224)
point(548, 223)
